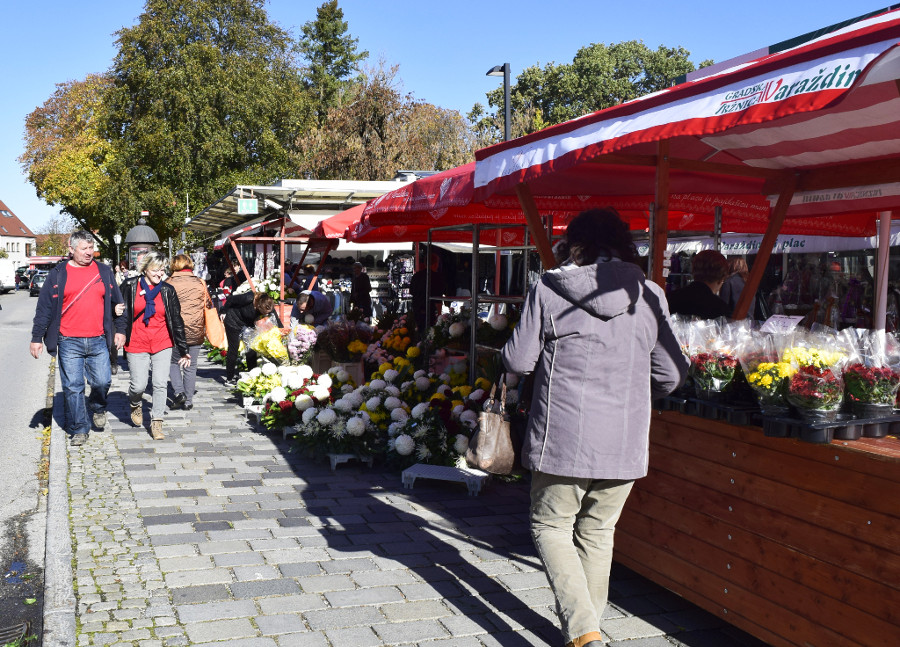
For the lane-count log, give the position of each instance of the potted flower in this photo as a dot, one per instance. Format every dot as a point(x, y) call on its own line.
point(770, 381)
point(712, 372)
point(871, 390)
point(816, 392)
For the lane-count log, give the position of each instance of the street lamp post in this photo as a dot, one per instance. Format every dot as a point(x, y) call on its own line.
point(503, 70)
point(117, 239)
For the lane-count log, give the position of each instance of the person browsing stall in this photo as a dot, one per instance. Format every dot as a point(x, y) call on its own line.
point(76, 319)
point(153, 326)
point(598, 339)
point(700, 298)
point(243, 311)
point(312, 303)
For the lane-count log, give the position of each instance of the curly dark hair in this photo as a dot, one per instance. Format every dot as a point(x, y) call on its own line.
point(263, 303)
point(600, 233)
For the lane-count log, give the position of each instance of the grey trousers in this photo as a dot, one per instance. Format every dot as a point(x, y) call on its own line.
point(139, 367)
point(184, 380)
point(572, 525)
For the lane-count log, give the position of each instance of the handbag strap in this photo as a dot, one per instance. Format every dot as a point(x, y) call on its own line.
point(489, 403)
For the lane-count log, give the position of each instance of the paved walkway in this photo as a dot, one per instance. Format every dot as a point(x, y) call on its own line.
point(220, 535)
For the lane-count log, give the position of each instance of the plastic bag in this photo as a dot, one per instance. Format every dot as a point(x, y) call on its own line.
point(818, 358)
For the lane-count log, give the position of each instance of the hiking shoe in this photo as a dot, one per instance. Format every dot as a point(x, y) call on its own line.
point(99, 420)
point(156, 430)
point(178, 401)
point(79, 439)
point(137, 416)
point(188, 406)
point(230, 383)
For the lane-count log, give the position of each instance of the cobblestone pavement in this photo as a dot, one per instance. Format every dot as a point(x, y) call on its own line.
point(220, 535)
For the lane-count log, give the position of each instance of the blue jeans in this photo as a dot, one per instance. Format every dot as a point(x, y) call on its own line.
point(79, 358)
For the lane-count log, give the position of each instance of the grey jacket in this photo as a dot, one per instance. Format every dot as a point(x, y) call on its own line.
point(599, 340)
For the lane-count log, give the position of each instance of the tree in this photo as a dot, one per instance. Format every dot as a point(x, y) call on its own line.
point(598, 77)
point(206, 94)
point(55, 236)
point(66, 157)
point(376, 130)
point(332, 56)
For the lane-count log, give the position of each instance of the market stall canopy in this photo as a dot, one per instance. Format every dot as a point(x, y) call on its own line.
point(826, 112)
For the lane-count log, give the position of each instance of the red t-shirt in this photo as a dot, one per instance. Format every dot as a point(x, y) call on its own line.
point(153, 337)
point(82, 315)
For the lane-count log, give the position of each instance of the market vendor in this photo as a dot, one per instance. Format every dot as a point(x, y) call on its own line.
point(242, 311)
point(700, 299)
point(312, 302)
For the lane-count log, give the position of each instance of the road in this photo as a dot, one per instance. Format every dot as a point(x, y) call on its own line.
point(23, 394)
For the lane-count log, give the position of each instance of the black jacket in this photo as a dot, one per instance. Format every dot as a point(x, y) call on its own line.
point(240, 313)
point(697, 300)
point(47, 315)
point(171, 307)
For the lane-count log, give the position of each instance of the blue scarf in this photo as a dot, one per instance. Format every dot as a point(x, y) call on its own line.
point(150, 297)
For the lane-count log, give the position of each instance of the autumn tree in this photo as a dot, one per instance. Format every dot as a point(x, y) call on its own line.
point(332, 57)
point(598, 77)
point(206, 94)
point(54, 236)
point(376, 130)
point(67, 158)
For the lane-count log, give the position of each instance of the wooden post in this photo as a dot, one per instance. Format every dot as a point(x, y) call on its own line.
point(660, 234)
point(529, 208)
point(881, 270)
point(281, 238)
point(765, 248)
point(240, 260)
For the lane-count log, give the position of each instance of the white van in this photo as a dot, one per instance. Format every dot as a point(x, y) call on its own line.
point(7, 275)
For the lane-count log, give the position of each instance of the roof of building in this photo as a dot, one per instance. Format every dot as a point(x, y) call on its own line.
point(10, 225)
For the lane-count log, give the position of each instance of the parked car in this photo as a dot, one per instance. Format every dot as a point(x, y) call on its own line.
point(23, 277)
point(37, 281)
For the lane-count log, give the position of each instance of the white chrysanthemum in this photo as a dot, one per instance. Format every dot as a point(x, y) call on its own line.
point(354, 398)
point(338, 427)
point(303, 402)
point(356, 426)
point(391, 403)
point(422, 452)
point(423, 383)
point(343, 405)
point(377, 385)
point(419, 410)
point(445, 390)
point(255, 372)
point(498, 322)
point(421, 431)
point(325, 381)
point(461, 444)
point(399, 415)
point(295, 382)
point(342, 376)
point(244, 375)
point(278, 394)
point(284, 371)
point(326, 416)
point(333, 370)
point(373, 403)
point(309, 415)
point(321, 394)
point(394, 428)
point(365, 416)
point(469, 418)
point(407, 385)
point(477, 394)
point(269, 369)
point(419, 373)
point(404, 445)
point(444, 377)
point(390, 389)
point(390, 375)
point(305, 371)
point(309, 319)
point(347, 388)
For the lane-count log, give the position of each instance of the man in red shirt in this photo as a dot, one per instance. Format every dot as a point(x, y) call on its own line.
point(78, 315)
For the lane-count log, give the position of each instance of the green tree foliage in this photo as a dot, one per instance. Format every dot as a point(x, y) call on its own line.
point(376, 130)
point(598, 77)
point(206, 94)
point(331, 55)
point(54, 236)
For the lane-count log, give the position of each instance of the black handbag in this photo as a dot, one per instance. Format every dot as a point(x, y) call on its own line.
point(491, 447)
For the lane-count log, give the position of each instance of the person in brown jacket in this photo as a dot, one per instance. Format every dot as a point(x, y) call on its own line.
point(194, 300)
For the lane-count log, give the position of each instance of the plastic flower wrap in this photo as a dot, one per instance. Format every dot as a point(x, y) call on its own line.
point(344, 340)
point(871, 376)
point(300, 341)
point(767, 375)
point(257, 384)
point(713, 360)
point(271, 344)
point(818, 359)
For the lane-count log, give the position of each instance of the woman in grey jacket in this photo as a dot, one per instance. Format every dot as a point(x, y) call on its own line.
point(597, 336)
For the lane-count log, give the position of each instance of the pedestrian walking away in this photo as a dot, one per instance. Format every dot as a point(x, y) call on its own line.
point(194, 300)
point(77, 319)
point(242, 311)
point(153, 325)
point(598, 335)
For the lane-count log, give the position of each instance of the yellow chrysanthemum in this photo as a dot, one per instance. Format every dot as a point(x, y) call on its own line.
point(385, 367)
point(463, 390)
point(413, 351)
point(482, 383)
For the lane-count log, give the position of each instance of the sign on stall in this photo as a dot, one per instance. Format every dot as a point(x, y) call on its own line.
point(780, 323)
point(247, 206)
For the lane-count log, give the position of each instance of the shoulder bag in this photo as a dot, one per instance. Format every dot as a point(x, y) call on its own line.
point(491, 448)
point(215, 329)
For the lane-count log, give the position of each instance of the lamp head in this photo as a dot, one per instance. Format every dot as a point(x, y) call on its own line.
point(497, 70)
point(117, 238)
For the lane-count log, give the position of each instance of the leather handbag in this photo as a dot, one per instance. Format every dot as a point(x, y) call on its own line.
point(491, 447)
point(215, 329)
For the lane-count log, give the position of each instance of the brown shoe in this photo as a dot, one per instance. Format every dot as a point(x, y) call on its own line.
point(137, 416)
point(156, 430)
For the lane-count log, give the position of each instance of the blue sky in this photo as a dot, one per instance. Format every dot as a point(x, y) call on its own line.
point(443, 49)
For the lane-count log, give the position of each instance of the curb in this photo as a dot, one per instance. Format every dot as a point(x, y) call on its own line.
point(59, 591)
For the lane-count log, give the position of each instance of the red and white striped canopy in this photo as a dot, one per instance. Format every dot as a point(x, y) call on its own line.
point(826, 109)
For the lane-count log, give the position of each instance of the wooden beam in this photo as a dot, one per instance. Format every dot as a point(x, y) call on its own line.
point(240, 260)
point(529, 208)
point(837, 177)
point(659, 235)
point(765, 248)
point(684, 164)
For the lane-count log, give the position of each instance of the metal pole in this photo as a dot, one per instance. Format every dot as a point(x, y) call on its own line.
point(717, 234)
point(881, 270)
point(473, 319)
point(506, 106)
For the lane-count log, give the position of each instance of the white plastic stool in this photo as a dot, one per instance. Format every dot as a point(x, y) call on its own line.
point(474, 479)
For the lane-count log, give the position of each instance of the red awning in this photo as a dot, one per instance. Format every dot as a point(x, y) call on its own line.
point(828, 110)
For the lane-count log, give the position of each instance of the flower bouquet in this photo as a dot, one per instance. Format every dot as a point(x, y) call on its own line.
point(870, 382)
point(765, 373)
point(713, 362)
point(300, 341)
point(270, 344)
point(816, 389)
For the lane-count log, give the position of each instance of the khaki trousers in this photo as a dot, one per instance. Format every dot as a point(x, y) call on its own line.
point(572, 524)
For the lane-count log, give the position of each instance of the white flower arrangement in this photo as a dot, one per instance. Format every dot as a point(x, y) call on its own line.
point(457, 329)
point(498, 321)
point(343, 405)
point(394, 428)
point(309, 415)
point(305, 371)
point(278, 394)
point(390, 389)
point(456, 411)
point(255, 371)
point(355, 398)
point(373, 403)
point(303, 402)
point(342, 376)
point(422, 452)
point(419, 373)
point(320, 393)
point(295, 382)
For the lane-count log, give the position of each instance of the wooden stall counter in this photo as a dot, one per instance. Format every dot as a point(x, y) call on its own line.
point(795, 543)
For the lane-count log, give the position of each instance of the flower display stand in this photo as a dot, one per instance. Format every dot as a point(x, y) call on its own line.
point(474, 479)
point(338, 459)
